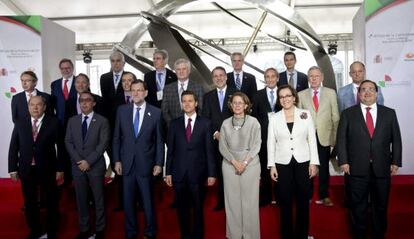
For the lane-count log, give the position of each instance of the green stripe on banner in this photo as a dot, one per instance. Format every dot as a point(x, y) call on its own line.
point(372, 6)
point(34, 22)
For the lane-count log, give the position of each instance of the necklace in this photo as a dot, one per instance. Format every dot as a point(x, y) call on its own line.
point(237, 127)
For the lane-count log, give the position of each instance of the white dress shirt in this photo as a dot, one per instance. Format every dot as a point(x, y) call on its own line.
point(193, 119)
point(373, 111)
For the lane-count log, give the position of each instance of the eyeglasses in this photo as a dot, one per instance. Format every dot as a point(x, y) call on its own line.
point(285, 97)
point(86, 100)
point(367, 90)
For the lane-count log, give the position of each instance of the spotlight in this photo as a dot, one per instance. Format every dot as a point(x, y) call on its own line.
point(332, 48)
point(87, 56)
point(255, 48)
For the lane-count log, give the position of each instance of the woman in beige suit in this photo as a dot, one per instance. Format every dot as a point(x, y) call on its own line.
point(292, 159)
point(239, 144)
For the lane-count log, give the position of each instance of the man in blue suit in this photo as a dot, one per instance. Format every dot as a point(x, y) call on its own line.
point(138, 153)
point(296, 79)
point(190, 161)
point(348, 95)
point(63, 92)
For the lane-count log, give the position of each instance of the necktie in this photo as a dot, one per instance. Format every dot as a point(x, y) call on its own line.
point(291, 83)
point(159, 81)
point(272, 100)
point(357, 97)
point(116, 80)
point(30, 96)
point(127, 99)
point(188, 130)
point(369, 122)
point(136, 122)
point(315, 100)
point(78, 109)
point(180, 92)
point(84, 127)
point(35, 129)
point(65, 89)
point(238, 83)
point(221, 99)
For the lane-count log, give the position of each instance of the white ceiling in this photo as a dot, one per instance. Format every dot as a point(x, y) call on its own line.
point(100, 21)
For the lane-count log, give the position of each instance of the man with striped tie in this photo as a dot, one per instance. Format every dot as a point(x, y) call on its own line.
point(239, 79)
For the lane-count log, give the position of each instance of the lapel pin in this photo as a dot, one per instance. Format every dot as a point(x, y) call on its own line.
point(149, 113)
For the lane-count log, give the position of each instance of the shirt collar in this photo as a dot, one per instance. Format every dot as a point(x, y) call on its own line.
point(193, 117)
point(373, 107)
point(142, 107)
point(38, 120)
point(34, 93)
point(224, 89)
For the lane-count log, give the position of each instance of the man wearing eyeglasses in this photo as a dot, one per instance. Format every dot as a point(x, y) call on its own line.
point(369, 153)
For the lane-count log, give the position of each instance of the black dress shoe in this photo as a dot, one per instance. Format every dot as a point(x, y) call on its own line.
point(34, 234)
point(82, 235)
point(99, 235)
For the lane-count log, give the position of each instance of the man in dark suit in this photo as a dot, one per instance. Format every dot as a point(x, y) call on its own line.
point(216, 109)
point(63, 91)
point(126, 81)
point(112, 97)
point(19, 105)
point(32, 158)
point(369, 151)
point(171, 104)
point(138, 152)
point(82, 85)
point(296, 79)
point(190, 160)
point(87, 137)
point(264, 104)
point(240, 80)
point(158, 79)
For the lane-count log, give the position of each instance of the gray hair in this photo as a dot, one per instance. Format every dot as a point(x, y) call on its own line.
point(236, 54)
point(117, 54)
point(162, 52)
point(182, 61)
point(315, 68)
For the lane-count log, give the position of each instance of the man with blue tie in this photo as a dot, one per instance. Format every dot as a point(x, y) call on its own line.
point(87, 137)
point(138, 153)
point(296, 79)
point(156, 80)
point(216, 109)
point(190, 161)
point(239, 79)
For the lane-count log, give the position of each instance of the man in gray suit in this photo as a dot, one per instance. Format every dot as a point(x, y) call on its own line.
point(171, 104)
point(348, 95)
point(87, 137)
point(138, 153)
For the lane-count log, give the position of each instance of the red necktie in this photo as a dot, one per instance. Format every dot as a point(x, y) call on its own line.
point(315, 100)
point(65, 89)
point(369, 122)
point(188, 130)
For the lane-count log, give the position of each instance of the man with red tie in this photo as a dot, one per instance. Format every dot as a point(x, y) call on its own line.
point(369, 152)
point(190, 161)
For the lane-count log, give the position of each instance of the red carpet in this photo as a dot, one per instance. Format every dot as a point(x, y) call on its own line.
point(326, 223)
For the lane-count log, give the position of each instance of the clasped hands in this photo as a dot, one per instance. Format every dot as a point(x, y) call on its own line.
point(239, 166)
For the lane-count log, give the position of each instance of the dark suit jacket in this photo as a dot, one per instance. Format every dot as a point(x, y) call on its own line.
point(20, 108)
point(171, 107)
point(111, 97)
point(249, 86)
point(195, 158)
point(151, 79)
point(211, 109)
point(356, 148)
point(59, 101)
point(94, 146)
point(302, 80)
point(147, 149)
point(261, 109)
point(72, 110)
point(23, 149)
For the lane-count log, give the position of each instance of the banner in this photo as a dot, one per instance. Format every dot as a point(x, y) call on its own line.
point(389, 57)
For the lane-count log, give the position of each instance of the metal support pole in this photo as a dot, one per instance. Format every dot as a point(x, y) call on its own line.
point(256, 30)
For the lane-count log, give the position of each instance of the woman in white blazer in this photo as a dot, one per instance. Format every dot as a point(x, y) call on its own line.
point(292, 159)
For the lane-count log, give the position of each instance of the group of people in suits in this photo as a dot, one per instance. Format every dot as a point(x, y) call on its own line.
point(235, 136)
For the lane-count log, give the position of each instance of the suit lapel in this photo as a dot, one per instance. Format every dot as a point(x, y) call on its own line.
point(145, 120)
point(91, 127)
point(195, 129)
point(379, 120)
point(284, 123)
point(360, 117)
point(41, 132)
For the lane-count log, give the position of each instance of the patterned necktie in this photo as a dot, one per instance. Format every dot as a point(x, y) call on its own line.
point(221, 99)
point(291, 83)
point(369, 121)
point(238, 83)
point(84, 127)
point(136, 122)
point(315, 100)
point(116, 80)
point(128, 99)
point(188, 130)
point(159, 81)
point(65, 89)
point(180, 92)
point(272, 100)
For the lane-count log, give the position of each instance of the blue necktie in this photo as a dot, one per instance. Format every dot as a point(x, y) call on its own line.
point(272, 100)
point(84, 127)
point(136, 122)
point(221, 99)
point(116, 79)
point(159, 81)
point(238, 83)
